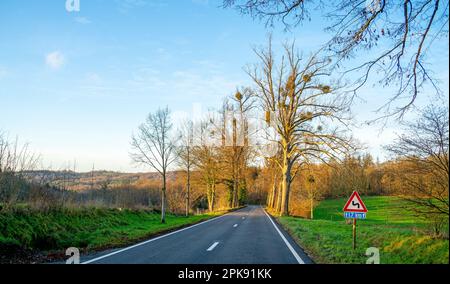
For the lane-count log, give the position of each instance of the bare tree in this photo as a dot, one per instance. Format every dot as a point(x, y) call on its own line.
point(398, 34)
point(312, 193)
point(185, 155)
point(207, 157)
point(424, 149)
point(153, 146)
point(301, 110)
point(236, 139)
point(274, 191)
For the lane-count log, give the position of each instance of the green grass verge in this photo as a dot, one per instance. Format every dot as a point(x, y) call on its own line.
point(91, 229)
point(392, 228)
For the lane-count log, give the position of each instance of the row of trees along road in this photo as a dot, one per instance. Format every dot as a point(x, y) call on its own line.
point(387, 41)
point(418, 171)
point(307, 117)
point(307, 111)
point(209, 147)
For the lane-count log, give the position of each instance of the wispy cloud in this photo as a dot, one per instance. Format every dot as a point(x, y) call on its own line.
point(83, 20)
point(147, 78)
point(201, 85)
point(55, 60)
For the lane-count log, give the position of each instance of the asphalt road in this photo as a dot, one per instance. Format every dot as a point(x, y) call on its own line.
point(246, 236)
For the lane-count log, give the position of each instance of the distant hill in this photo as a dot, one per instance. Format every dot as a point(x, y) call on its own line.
point(97, 179)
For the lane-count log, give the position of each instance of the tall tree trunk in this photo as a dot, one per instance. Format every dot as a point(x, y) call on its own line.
point(211, 195)
point(234, 167)
point(286, 188)
point(235, 190)
point(214, 196)
point(163, 200)
point(269, 198)
point(279, 197)
point(188, 193)
point(230, 196)
point(273, 195)
point(188, 189)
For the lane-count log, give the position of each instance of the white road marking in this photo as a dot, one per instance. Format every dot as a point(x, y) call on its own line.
point(211, 248)
point(235, 225)
point(297, 257)
point(152, 240)
point(243, 218)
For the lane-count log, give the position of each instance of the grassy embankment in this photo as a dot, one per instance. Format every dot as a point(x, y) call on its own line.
point(92, 229)
point(400, 236)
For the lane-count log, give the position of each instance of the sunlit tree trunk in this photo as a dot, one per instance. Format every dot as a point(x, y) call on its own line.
point(213, 196)
point(279, 197)
point(286, 185)
point(269, 198)
point(163, 200)
point(208, 195)
point(188, 193)
point(273, 195)
point(211, 189)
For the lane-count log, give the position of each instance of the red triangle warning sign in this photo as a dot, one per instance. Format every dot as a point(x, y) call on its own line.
point(355, 204)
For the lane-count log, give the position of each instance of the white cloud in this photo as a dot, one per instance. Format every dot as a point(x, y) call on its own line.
point(55, 60)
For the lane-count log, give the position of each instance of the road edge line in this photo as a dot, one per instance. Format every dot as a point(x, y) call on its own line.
point(152, 240)
point(289, 246)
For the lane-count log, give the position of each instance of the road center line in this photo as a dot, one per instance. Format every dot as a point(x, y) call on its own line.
point(297, 257)
point(152, 240)
point(235, 225)
point(211, 248)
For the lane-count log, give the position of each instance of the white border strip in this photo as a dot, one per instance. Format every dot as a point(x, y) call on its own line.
point(151, 240)
point(297, 257)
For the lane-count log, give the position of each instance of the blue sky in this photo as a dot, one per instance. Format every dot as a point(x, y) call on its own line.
point(76, 85)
